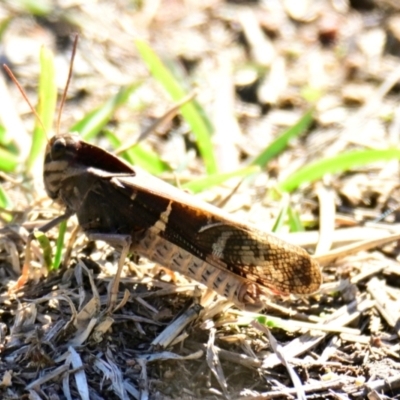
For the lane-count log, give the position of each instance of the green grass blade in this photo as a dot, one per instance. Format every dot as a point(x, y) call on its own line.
point(339, 163)
point(46, 107)
point(46, 247)
point(89, 126)
point(116, 143)
point(138, 155)
point(278, 145)
point(5, 201)
point(59, 245)
point(147, 159)
point(3, 26)
point(8, 152)
point(207, 182)
point(39, 8)
point(198, 124)
point(280, 221)
point(271, 322)
point(295, 221)
point(8, 160)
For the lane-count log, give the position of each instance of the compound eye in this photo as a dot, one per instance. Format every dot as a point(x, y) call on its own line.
point(58, 149)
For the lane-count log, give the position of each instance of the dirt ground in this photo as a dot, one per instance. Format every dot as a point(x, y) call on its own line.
point(257, 68)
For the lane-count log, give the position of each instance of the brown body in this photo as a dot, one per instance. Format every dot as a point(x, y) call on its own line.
point(114, 201)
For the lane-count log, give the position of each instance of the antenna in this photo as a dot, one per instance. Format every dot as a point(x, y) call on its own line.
point(64, 96)
point(21, 89)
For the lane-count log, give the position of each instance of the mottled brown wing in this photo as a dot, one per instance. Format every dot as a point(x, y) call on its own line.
point(212, 235)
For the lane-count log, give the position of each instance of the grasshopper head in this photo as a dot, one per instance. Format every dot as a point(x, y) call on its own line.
point(61, 154)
